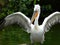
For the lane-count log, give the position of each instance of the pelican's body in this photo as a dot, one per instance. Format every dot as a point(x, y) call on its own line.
point(36, 31)
point(37, 34)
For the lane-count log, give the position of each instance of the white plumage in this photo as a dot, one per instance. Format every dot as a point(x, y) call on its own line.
point(18, 18)
point(36, 31)
point(51, 20)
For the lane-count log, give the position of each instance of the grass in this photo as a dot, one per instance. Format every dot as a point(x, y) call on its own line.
point(14, 35)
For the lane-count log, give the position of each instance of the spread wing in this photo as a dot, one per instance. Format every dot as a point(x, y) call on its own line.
point(18, 18)
point(51, 20)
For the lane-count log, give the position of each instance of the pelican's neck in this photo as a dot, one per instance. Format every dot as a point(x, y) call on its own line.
point(36, 20)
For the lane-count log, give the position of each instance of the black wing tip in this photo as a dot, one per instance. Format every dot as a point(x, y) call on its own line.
point(2, 22)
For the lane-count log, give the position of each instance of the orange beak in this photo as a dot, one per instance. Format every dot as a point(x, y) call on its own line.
point(35, 14)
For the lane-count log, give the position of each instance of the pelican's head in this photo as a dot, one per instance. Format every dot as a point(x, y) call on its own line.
point(37, 8)
point(36, 12)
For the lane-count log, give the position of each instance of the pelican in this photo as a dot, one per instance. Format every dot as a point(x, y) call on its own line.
point(36, 31)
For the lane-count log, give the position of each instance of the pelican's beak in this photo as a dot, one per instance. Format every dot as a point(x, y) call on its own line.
point(35, 14)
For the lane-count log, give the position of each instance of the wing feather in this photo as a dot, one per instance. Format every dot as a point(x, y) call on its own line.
point(51, 20)
point(18, 18)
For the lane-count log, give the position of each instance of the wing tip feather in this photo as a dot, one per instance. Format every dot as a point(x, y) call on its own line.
point(2, 24)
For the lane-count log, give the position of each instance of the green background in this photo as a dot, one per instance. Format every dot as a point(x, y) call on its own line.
point(14, 34)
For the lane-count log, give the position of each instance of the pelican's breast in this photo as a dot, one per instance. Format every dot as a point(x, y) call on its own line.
point(37, 34)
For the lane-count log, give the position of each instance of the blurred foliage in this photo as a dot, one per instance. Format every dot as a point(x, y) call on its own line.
point(26, 6)
point(14, 35)
point(15, 6)
point(46, 10)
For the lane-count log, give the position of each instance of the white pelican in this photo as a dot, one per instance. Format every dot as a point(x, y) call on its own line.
point(36, 31)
